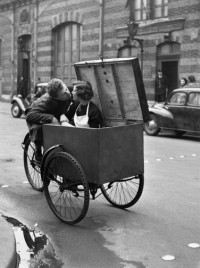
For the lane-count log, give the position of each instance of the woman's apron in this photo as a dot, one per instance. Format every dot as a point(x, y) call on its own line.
point(82, 121)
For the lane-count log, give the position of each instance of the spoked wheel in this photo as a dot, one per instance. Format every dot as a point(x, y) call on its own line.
point(123, 193)
point(66, 188)
point(32, 167)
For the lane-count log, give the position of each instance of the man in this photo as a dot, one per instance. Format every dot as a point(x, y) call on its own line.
point(161, 87)
point(21, 87)
point(47, 109)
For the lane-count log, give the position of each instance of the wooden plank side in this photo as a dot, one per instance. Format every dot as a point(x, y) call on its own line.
point(128, 89)
point(86, 73)
point(118, 87)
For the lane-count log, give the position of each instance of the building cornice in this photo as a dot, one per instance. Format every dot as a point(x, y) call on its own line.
point(164, 25)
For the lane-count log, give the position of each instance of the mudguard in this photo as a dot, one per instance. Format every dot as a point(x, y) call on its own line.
point(50, 151)
point(20, 102)
point(25, 139)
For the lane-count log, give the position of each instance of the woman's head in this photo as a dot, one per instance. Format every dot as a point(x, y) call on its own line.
point(58, 90)
point(183, 81)
point(82, 90)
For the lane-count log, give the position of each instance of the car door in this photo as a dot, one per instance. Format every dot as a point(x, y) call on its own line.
point(193, 111)
point(176, 106)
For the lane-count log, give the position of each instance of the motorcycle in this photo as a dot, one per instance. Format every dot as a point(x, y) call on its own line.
point(20, 104)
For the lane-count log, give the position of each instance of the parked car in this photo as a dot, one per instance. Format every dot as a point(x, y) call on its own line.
point(19, 104)
point(180, 112)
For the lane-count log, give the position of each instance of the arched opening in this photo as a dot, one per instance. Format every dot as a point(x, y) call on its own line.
point(168, 55)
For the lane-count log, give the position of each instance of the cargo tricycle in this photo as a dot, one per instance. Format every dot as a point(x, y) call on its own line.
point(79, 164)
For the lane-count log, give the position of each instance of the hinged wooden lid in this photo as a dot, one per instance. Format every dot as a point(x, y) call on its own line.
point(118, 89)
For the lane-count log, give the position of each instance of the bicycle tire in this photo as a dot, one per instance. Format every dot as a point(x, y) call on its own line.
point(32, 168)
point(64, 182)
point(123, 193)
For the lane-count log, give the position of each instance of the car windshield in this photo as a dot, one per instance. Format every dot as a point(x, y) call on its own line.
point(178, 98)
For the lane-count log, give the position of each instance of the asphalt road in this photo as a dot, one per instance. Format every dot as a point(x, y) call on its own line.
point(165, 220)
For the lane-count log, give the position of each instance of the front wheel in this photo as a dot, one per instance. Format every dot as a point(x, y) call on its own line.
point(66, 188)
point(31, 166)
point(151, 128)
point(16, 110)
point(123, 193)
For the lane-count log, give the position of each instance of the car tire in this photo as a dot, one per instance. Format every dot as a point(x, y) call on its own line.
point(16, 110)
point(152, 131)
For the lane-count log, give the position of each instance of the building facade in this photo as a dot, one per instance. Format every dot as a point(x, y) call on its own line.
point(43, 38)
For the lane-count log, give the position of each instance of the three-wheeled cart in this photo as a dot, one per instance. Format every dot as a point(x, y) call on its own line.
point(81, 163)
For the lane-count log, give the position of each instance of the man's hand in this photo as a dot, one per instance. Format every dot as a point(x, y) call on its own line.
point(55, 121)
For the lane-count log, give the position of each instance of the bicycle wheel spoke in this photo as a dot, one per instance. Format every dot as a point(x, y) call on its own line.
point(124, 193)
point(64, 199)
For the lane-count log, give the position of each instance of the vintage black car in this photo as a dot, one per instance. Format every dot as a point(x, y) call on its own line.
point(180, 112)
point(20, 104)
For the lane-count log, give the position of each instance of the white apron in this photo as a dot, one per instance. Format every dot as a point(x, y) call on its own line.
point(82, 121)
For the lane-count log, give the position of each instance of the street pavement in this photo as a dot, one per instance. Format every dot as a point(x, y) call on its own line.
point(164, 223)
point(8, 251)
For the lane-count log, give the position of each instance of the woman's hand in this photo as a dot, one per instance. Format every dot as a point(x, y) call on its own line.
point(63, 119)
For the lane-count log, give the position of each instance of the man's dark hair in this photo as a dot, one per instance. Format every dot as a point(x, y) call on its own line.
point(54, 87)
point(191, 78)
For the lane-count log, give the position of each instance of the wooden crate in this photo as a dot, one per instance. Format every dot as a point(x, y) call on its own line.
point(116, 151)
point(105, 154)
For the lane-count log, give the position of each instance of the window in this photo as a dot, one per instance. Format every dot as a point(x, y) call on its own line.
point(194, 99)
point(160, 8)
point(0, 53)
point(178, 98)
point(140, 9)
point(67, 51)
point(147, 9)
point(127, 51)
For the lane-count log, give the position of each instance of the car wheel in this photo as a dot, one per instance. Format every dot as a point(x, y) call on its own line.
point(151, 128)
point(16, 110)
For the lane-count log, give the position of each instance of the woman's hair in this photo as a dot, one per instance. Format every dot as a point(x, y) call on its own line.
point(54, 87)
point(191, 79)
point(84, 90)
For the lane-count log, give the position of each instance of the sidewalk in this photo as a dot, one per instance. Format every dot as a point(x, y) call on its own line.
point(8, 243)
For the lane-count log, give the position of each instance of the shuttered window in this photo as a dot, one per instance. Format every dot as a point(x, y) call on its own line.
point(66, 51)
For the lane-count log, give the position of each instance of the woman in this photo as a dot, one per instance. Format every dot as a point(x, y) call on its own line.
point(183, 82)
point(82, 111)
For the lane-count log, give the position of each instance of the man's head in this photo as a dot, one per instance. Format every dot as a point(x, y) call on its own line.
point(160, 74)
point(58, 90)
point(83, 90)
point(191, 79)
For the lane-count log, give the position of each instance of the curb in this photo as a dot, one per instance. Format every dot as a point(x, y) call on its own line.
point(8, 245)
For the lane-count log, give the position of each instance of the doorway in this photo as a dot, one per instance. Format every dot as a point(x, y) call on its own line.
point(24, 62)
point(170, 69)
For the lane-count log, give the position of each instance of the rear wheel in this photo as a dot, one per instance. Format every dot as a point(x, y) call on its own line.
point(16, 110)
point(151, 128)
point(32, 167)
point(66, 188)
point(124, 193)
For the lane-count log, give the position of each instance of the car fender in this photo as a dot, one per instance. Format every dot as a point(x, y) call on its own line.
point(55, 148)
point(20, 102)
point(164, 117)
